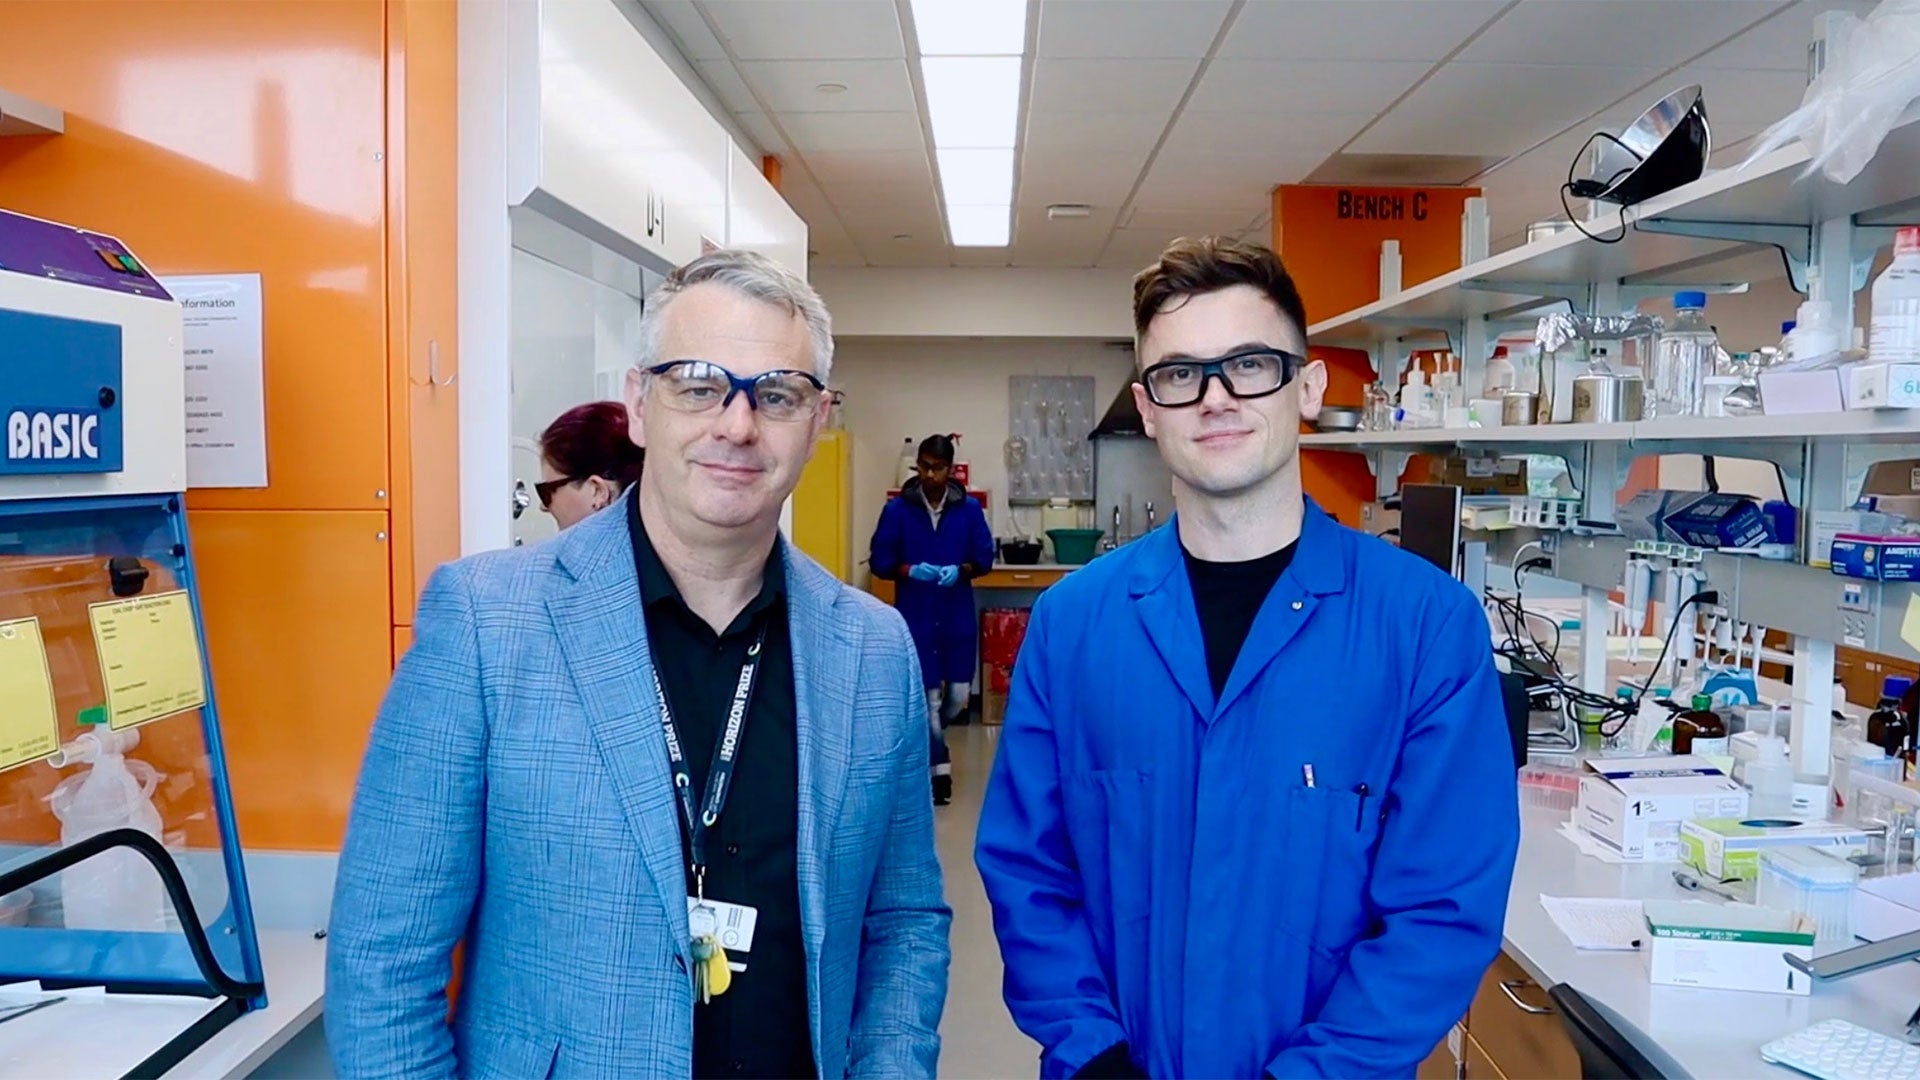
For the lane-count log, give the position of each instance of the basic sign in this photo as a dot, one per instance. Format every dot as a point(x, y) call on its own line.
point(60, 391)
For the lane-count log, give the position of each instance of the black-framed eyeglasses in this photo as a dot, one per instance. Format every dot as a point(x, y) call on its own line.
point(700, 386)
point(546, 489)
point(1250, 373)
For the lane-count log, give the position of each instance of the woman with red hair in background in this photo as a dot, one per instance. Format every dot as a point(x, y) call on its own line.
point(587, 460)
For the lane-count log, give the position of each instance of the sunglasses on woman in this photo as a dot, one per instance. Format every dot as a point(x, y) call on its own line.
point(546, 489)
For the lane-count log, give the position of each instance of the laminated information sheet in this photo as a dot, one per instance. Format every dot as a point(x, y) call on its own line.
point(149, 657)
point(29, 725)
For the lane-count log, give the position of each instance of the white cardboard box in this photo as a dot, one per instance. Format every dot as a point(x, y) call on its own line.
point(1881, 386)
point(1727, 947)
point(1887, 907)
point(1635, 805)
point(1785, 393)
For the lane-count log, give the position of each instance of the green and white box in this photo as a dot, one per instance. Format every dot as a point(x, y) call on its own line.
point(1727, 947)
point(1729, 848)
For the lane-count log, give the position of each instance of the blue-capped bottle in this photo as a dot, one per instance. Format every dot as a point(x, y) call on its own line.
point(1685, 357)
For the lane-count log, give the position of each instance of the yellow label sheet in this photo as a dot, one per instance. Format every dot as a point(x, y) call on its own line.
point(29, 724)
point(149, 653)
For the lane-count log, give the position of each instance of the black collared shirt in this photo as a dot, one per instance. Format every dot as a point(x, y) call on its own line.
point(759, 1027)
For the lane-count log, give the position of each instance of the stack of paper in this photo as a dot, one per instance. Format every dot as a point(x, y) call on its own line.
point(1609, 924)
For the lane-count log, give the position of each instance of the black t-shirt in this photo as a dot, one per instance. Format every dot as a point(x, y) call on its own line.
point(1227, 596)
point(760, 1027)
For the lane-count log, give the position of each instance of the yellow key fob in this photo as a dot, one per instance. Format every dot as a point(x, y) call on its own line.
point(719, 975)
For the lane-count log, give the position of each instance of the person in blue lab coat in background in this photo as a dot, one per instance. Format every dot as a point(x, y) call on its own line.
point(933, 539)
point(1254, 810)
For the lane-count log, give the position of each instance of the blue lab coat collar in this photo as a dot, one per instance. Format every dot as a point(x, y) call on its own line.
point(1163, 597)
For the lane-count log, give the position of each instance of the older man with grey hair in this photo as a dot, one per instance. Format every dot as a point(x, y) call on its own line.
point(663, 775)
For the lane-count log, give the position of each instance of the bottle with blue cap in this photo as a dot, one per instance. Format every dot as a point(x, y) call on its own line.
point(1686, 356)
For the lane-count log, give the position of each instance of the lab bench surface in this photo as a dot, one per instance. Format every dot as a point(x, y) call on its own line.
point(1685, 1032)
point(1003, 577)
point(94, 1034)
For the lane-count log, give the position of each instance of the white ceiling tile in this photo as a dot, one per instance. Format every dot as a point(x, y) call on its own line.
point(1780, 43)
point(853, 131)
point(760, 130)
point(682, 20)
point(1150, 86)
point(726, 84)
point(1295, 86)
point(1040, 241)
point(1614, 32)
point(1351, 30)
point(1242, 183)
point(1496, 109)
point(1737, 97)
point(902, 168)
point(809, 29)
point(921, 249)
point(872, 85)
point(981, 258)
point(1134, 29)
point(869, 219)
point(1134, 249)
point(1527, 188)
point(806, 199)
point(1109, 131)
point(1100, 179)
point(1188, 222)
point(1210, 132)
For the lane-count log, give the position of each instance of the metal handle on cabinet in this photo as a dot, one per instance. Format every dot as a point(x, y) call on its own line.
point(433, 366)
point(1508, 986)
point(1023, 577)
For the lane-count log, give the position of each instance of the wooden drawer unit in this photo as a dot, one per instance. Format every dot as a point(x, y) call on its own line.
point(1477, 1064)
point(1019, 577)
point(1517, 1028)
point(1444, 1062)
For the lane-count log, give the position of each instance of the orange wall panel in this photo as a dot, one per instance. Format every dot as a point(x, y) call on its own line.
point(233, 137)
point(314, 143)
point(1330, 238)
point(422, 334)
point(296, 621)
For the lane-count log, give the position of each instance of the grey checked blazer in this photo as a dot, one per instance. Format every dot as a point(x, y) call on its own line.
point(516, 794)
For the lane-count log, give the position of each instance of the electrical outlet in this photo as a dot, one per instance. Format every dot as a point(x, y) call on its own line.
point(1853, 597)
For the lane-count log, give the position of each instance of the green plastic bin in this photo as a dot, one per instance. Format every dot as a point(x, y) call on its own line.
point(1074, 546)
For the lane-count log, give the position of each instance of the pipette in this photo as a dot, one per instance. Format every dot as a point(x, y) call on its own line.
point(1639, 584)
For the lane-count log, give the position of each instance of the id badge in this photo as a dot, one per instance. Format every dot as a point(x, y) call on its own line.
point(730, 925)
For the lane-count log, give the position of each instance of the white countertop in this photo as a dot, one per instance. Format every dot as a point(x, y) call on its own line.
point(94, 1034)
point(1698, 1033)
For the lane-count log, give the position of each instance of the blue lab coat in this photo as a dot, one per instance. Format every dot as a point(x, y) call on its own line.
point(940, 618)
point(1163, 872)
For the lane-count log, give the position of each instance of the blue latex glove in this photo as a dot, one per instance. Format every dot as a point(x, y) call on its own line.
point(926, 572)
point(949, 576)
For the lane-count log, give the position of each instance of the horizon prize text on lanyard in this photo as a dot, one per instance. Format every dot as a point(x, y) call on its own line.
point(711, 971)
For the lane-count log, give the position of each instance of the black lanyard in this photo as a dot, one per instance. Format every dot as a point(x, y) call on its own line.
point(719, 773)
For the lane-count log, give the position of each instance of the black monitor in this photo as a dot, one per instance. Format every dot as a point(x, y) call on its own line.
point(1430, 524)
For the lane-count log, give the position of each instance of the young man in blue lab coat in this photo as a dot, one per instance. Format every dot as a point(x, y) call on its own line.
point(933, 539)
point(1254, 808)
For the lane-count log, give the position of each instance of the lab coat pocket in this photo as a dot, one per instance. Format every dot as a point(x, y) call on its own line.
point(1331, 838)
point(1110, 818)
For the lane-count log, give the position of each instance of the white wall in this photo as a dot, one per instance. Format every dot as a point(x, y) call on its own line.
point(898, 389)
point(1004, 302)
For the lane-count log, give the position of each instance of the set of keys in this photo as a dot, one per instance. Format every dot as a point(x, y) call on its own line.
point(712, 974)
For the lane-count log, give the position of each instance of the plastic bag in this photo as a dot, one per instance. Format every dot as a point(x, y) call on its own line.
point(1872, 75)
point(115, 890)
